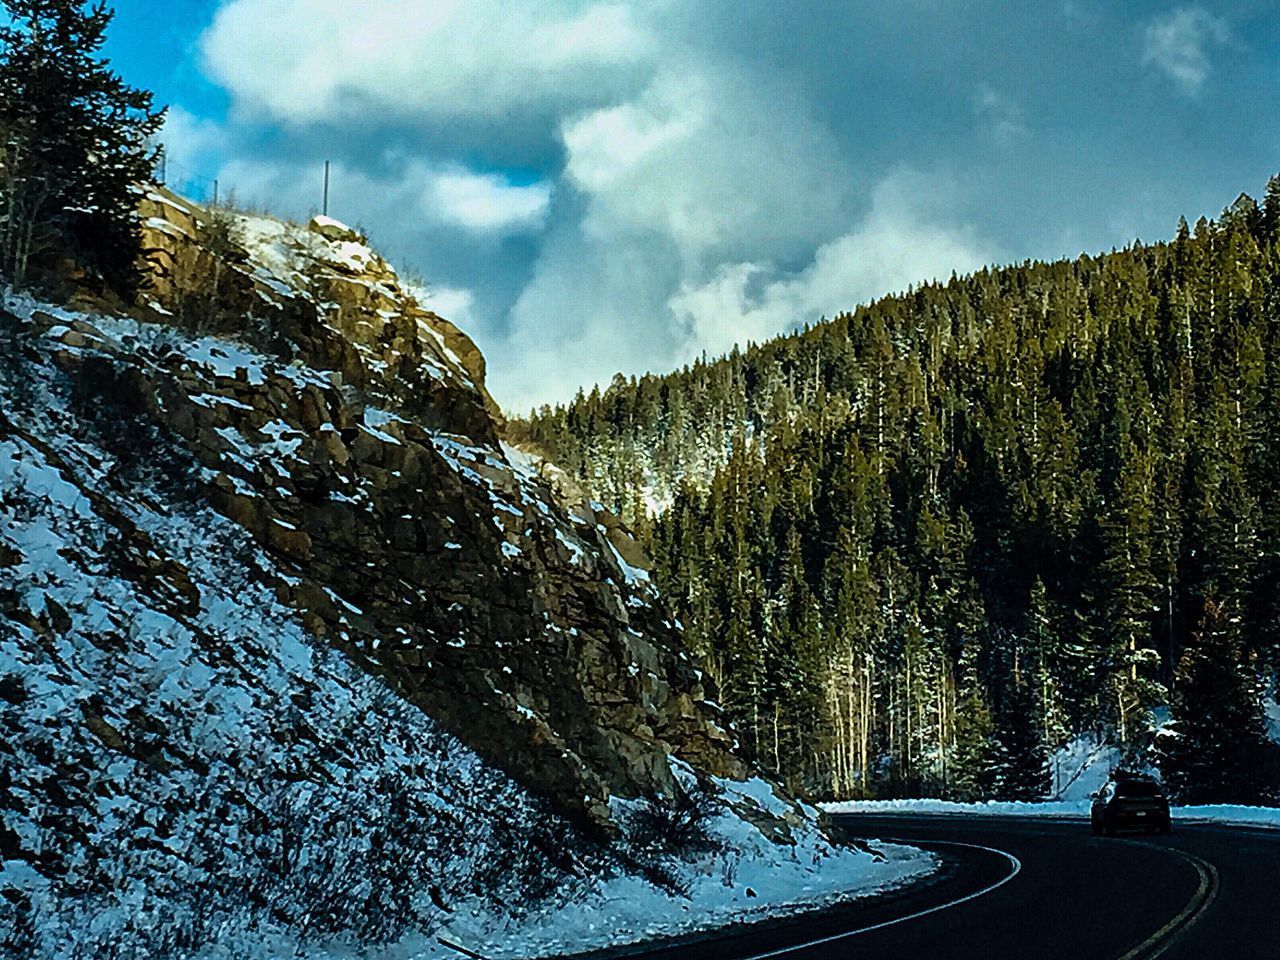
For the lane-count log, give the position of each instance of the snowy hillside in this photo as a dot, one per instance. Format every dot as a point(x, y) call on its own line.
point(182, 759)
point(283, 628)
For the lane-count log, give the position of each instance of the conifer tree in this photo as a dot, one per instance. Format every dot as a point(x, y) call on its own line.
point(1264, 601)
point(971, 777)
point(1271, 211)
point(971, 766)
point(1243, 215)
point(1047, 655)
point(75, 141)
point(1020, 763)
point(1218, 751)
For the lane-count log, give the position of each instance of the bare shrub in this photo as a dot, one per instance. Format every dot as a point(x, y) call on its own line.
point(678, 825)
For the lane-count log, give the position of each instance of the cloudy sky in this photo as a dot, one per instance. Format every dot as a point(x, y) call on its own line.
point(590, 186)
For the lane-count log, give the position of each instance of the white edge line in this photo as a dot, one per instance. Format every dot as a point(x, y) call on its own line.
point(1013, 861)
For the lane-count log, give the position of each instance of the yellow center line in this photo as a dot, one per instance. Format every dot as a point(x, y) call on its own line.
point(1160, 941)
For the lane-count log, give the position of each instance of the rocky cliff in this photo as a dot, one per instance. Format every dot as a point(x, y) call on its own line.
point(349, 431)
point(297, 656)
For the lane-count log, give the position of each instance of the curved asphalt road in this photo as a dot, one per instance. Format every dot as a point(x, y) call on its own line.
point(1052, 890)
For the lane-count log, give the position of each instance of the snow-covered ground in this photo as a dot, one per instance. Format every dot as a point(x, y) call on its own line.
point(1079, 769)
point(1218, 813)
point(749, 878)
point(188, 773)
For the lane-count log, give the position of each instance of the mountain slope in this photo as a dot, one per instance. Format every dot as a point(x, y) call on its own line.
point(923, 544)
point(295, 655)
point(177, 747)
point(506, 610)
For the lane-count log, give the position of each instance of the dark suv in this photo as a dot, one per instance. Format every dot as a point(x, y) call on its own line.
point(1130, 800)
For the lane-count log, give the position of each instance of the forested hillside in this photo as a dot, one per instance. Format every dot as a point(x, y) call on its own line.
point(923, 543)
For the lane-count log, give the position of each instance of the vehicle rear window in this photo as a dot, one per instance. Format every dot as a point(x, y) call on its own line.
point(1138, 788)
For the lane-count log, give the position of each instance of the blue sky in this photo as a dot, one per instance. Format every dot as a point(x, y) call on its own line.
point(593, 185)
point(155, 44)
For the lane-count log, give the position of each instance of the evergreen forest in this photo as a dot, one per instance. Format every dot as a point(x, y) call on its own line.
point(922, 545)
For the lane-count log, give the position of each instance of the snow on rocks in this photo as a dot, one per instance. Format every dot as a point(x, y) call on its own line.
point(265, 433)
point(371, 326)
point(247, 575)
point(335, 230)
point(198, 735)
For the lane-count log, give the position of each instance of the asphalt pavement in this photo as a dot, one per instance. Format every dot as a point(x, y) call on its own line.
point(1030, 889)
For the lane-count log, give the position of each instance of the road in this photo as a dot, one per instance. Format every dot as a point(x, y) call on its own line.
point(1042, 890)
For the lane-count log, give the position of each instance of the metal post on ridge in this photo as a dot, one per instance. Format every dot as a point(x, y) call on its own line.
point(325, 208)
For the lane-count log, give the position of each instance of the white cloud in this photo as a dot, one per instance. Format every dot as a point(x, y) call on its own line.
point(594, 305)
point(701, 202)
point(409, 197)
point(452, 303)
point(712, 159)
point(1002, 111)
point(379, 204)
point(307, 60)
point(1177, 44)
point(486, 202)
point(597, 305)
point(896, 245)
point(191, 147)
point(703, 167)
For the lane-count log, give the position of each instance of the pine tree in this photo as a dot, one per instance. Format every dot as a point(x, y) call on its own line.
point(1124, 588)
point(1046, 653)
point(74, 146)
point(1020, 763)
point(971, 776)
point(850, 599)
point(1218, 750)
point(1271, 211)
point(1243, 215)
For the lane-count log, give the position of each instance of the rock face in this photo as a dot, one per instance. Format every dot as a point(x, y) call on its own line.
point(176, 746)
point(348, 429)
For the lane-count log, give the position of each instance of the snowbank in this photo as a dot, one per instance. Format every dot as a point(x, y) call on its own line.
point(1217, 813)
point(751, 878)
point(1078, 770)
point(1000, 808)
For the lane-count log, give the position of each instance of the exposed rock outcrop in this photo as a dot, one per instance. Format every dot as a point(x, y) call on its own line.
point(348, 429)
